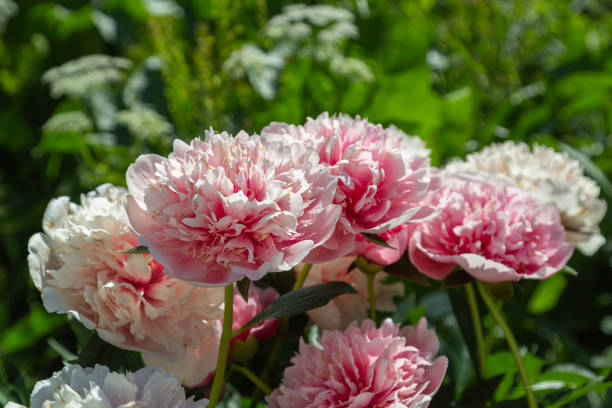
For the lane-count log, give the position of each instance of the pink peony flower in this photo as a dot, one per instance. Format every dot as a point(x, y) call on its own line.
point(259, 299)
point(78, 267)
point(343, 310)
point(397, 238)
point(364, 367)
point(493, 230)
point(552, 177)
point(227, 207)
point(382, 179)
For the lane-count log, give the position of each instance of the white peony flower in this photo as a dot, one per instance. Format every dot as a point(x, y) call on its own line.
point(78, 267)
point(98, 387)
point(553, 178)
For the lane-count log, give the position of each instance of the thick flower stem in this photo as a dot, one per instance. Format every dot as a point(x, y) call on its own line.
point(280, 334)
point(497, 316)
point(299, 281)
point(253, 378)
point(226, 336)
point(480, 347)
point(371, 295)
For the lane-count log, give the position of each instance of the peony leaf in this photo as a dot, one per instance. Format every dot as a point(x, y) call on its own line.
point(547, 294)
point(375, 239)
point(299, 301)
point(140, 249)
point(243, 288)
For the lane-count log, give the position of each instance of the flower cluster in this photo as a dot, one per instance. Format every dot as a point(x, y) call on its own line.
point(551, 177)
point(338, 200)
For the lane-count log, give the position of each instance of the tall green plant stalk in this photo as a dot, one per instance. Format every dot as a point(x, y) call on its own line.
point(480, 346)
point(226, 336)
point(497, 316)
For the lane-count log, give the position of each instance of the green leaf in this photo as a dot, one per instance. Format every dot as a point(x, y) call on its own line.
point(61, 142)
point(140, 249)
point(375, 239)
point(243, 288)
point(29, 330)
point(581, 392)
point(461, 309)
point(547, 294)
point(590, 168)
point(299, 301)
point(61, 350)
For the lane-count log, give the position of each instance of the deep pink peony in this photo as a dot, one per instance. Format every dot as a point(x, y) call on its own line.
point(364, 367)
point(259, 299)
point(493, 230)
point(397, 238)
point(381, 177)
point(227, 207)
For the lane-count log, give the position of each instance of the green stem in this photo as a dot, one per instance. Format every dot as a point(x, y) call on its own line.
point(253, 378)
point(480, 347)
point(497, 316)
point(226, 336)
point(371, 295)
point(299, 281)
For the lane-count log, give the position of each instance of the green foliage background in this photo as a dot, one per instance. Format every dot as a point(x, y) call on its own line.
point(459, 73)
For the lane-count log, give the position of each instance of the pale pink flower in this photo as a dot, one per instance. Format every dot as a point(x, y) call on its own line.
point(364, 367)
point(494, 231)
point(78, 267)
point(397, 238)
point(343, 310)
point(98, 387)
point(197, 365)
point(381, 177)
point(552, 177)
point(244, 311)
point(227, 207)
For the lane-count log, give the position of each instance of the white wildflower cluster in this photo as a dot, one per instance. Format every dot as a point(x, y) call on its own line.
point(317, 32)
point(77, 77)
point(8, 9)
point(72, 121)
point(144, 122)
point(262, 68)
point(552, 177)
point(76, 387)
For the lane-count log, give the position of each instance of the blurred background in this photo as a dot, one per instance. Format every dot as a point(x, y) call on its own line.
point(87, 86)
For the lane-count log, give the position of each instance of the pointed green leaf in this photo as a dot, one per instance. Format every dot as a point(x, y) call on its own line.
point(299, 301)
point(140, 249)
point(375, 239)
point(243, 288)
